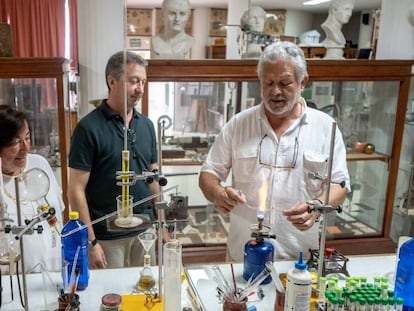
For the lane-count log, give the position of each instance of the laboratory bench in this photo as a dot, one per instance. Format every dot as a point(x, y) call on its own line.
point(198, 291)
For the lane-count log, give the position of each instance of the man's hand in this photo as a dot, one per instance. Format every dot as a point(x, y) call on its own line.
point(227, 198)
point(97, 259)
point(299, 216)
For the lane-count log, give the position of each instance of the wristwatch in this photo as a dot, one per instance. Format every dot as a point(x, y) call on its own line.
point(92, 243)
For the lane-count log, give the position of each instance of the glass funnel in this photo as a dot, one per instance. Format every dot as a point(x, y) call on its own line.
point(147, 239)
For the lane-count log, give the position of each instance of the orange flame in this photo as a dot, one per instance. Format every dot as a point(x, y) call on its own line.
point(262, 198)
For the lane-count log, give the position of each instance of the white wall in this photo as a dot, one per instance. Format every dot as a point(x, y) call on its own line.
point(98, 40)
point(200, 32)
point(396, 34)
point(297, 22)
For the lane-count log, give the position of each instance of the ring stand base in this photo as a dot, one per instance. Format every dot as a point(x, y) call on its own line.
point(130, 223)
point(336, 263)
point(142, 222)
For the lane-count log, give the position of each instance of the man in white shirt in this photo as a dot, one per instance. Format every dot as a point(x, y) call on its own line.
point(279, 142)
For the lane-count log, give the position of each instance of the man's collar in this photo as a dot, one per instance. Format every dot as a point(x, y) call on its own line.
point(109, 113)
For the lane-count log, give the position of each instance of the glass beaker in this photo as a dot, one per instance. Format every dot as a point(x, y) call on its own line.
point(230, 304)
point(124, 208)
point(172, 275)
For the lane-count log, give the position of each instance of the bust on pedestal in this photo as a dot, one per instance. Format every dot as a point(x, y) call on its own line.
point(340, 12)
point(173, 42)
point(252, 23)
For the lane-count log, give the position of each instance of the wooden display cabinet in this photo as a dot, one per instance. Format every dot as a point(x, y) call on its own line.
point(39, 86)
point(373, 94)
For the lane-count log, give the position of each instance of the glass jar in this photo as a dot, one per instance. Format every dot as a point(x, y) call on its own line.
point(111, 302)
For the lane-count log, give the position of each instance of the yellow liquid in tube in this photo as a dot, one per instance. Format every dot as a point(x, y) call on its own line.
point(125, 188)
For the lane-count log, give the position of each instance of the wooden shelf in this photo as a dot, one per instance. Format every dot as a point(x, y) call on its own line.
point(359, 156)
point(216, 51)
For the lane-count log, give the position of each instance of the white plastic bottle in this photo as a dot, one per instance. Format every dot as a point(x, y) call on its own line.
point(298, 287)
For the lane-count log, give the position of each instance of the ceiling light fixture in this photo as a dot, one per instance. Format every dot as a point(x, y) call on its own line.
point(314, 2)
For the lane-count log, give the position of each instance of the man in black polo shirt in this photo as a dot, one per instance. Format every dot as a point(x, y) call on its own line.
point(96, 154)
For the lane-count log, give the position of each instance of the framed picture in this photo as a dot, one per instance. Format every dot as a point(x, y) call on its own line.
point(159, 23)
point(139, 22)
point(138, 43)
point(275, 22)
point(6, 45)
point(218, 17)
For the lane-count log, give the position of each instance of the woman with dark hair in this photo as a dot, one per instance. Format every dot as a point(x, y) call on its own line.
point(40, 249)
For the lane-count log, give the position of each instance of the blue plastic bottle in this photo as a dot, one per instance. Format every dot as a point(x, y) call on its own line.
point(404, 277)
point(73, 244)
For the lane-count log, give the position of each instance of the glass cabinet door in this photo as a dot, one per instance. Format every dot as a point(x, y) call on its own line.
point(367, 99)
point(38, 98)
point(195, 113)
point(40, 87)
point(365, 112)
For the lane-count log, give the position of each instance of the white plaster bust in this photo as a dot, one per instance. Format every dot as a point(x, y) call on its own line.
point(340, 12)
point(255, 18)
point(173, 42)
point(253, 21)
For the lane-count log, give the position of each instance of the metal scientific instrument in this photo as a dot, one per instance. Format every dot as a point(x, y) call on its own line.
point(124, 219)
point(316, 206)
point(325, 208)
point(32, 186)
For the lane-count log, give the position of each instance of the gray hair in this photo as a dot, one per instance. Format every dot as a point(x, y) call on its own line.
point(115, 64)
point(284, 50)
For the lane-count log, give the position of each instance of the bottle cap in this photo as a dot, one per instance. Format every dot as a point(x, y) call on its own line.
point(362, 301)
point(399, 301)
point(74, 215)
point(300, 264)
point(370, 301)
point(111, 300)
point(352, 298)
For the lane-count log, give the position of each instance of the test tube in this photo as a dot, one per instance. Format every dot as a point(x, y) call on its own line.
point(384, 290)
point(352, 303)
point(333, 304)
point(377, 281)
point(399, 304)
point(222, 280)
point(322, 287)
point(362, 304)
point(363, 281)
point(384, 304)
point(275, 277)
point(256, 282)
point(331, 285)
point(370, 304)
point(341, 304)
point(391, 303)
point(338, 292)
point(125, 188)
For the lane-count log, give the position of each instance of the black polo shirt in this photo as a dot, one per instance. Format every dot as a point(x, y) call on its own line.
point(96, 146)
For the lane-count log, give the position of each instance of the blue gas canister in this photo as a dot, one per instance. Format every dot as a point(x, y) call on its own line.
point(256, 254)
